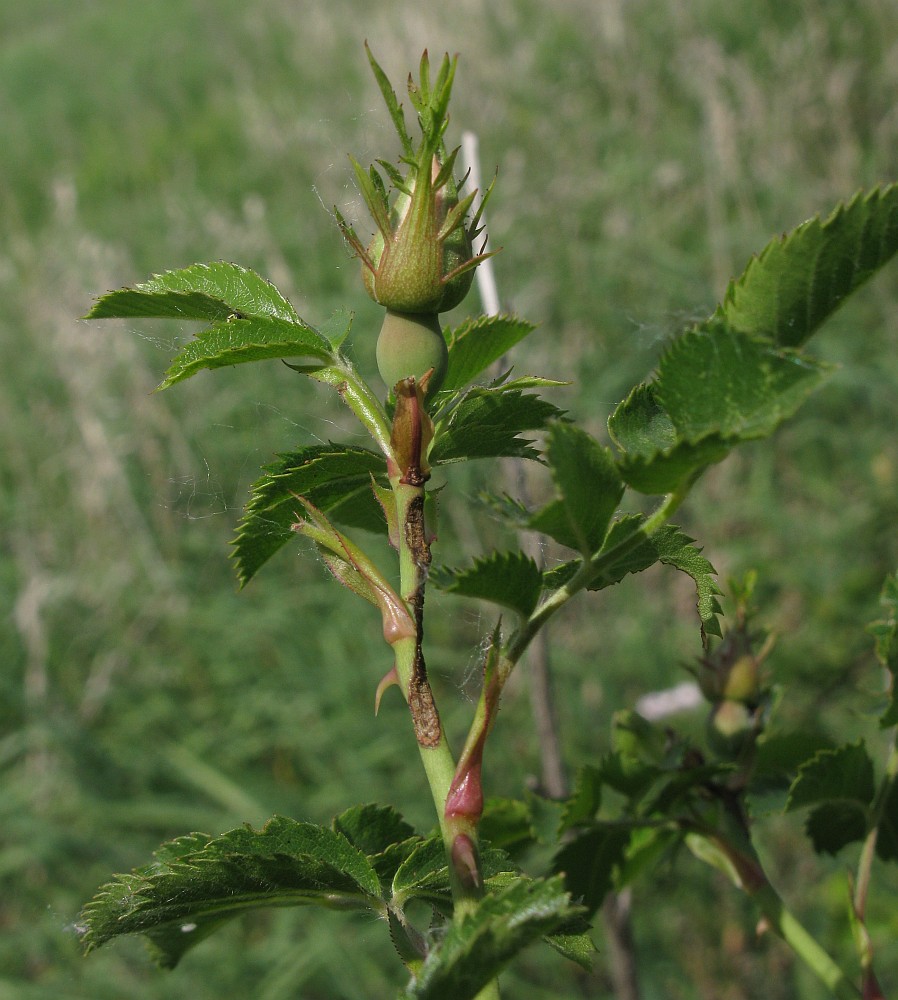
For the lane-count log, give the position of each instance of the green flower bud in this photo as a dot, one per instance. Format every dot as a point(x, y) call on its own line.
point(423, 262)
point(421, 259)
point(409, 346)
point(733, 670)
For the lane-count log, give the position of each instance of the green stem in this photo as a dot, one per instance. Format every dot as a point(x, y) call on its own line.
point(590, 571)
point(868, 852)
point(360, 399)
point(801, 942)
point(433, 747)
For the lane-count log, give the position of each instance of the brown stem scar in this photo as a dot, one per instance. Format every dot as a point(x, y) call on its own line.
point(425, 717)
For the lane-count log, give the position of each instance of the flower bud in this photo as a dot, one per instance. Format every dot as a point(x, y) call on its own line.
point(733, 670)
point(421, 259)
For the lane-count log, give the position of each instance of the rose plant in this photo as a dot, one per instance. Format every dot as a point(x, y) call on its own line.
point(733, 378)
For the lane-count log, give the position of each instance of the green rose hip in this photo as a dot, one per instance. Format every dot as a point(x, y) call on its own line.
point(409, 346)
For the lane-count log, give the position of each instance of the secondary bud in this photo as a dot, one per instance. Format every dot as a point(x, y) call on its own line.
point(731, 728)
point(732, 671)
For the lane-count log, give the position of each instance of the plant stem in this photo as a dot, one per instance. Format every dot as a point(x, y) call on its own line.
point(589, 571)
point(806, 947)
point(433, 747)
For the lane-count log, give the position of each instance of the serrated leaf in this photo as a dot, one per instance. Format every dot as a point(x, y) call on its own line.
point(476, 344)
point(845, 773)
point(425, 872)
point(511, 579)
point(665, 471)
point(202, 291)
point(238, 341)
point(588, 490)
point(713, 380)
point(487, 424)
point(778, 758)
point(672, 547)
point(479, 945)
point(197, 883)
point(588, 863)
point(639, 424)
point(835, 825)
point(885, 635)
point(840, 783)
point(575, 946)
point(800, 279)
point(242, 290)
point(335, 478)
point(372, 828)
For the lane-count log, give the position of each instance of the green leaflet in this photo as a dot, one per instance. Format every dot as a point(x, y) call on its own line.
point(487, 423)
point(840, 784)
point(588, 863)
point(477, 344)
point(201, 291)
point(885, 633)
point(588, 490)
point(249, 318)
point(237, 341)
point(653, 459)
point(511, 579)
point(372, 828)
point(370, 859)
point(668, 545)
point(476, 948)
point(797, 281)
point(716, 387)
point(199, 882)
point(713, 380)
point(337, 479)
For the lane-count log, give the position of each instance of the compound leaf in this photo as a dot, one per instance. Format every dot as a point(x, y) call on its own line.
point(487, 424)
point(788, 290)
point(199, 882)
point(477, 947)
point(335, 478)
point(249, 318)
point(511, 579)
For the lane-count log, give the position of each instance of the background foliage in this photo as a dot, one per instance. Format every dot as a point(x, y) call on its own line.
point(646, 150)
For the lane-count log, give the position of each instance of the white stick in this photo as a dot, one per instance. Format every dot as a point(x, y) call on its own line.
point(486, 277)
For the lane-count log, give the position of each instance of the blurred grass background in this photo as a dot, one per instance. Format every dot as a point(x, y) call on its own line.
point(645, 150)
